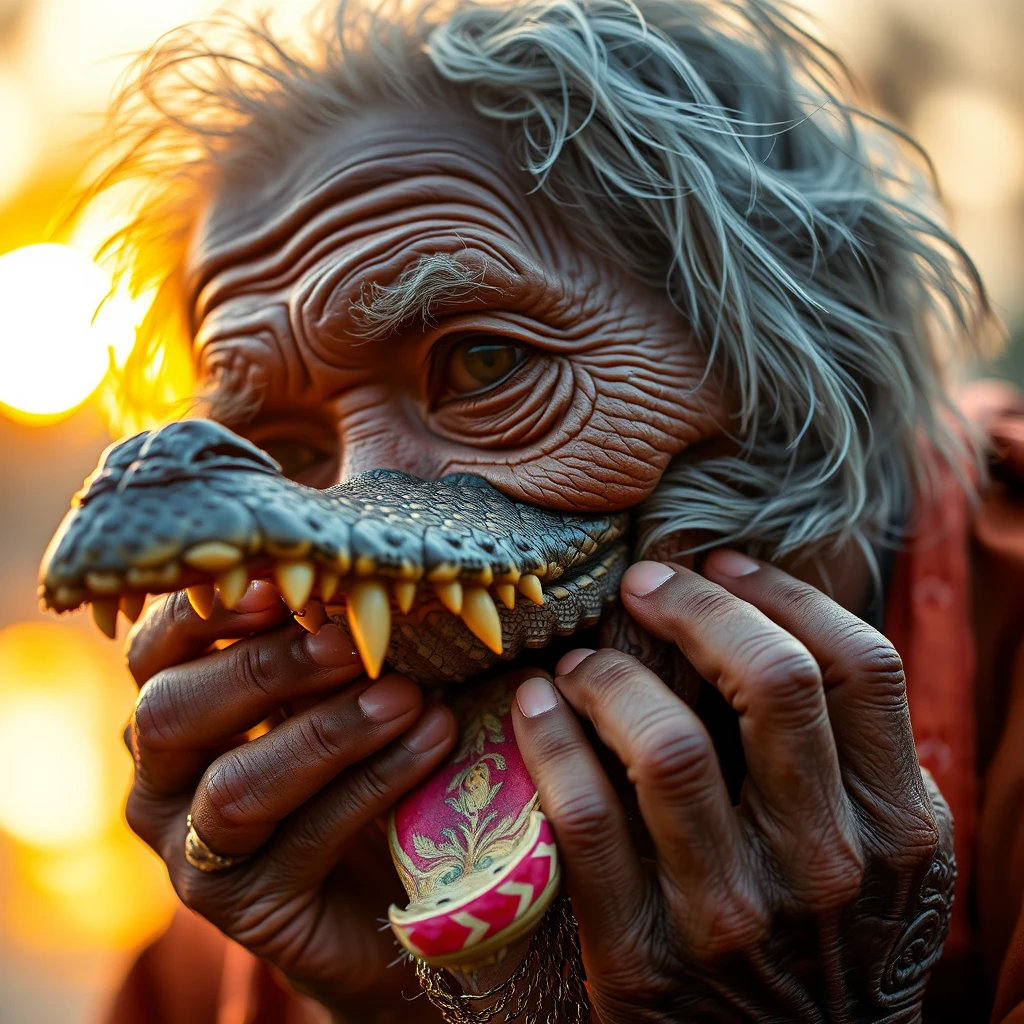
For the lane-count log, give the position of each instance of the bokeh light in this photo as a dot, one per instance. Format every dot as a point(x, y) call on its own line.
point(53, 353)
point(85, 879)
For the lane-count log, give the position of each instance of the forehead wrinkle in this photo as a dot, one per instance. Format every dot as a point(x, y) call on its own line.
point(238, 221)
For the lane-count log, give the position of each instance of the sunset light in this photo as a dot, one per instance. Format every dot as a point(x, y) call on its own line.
point(53, 353)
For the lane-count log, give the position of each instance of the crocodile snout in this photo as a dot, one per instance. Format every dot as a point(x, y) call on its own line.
point(440, 577)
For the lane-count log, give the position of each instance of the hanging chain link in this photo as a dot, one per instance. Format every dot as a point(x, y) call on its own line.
point(546, 988)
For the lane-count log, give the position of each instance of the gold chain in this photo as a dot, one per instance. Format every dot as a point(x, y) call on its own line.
point(546, 988)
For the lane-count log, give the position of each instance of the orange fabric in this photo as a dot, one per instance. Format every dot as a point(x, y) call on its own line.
point(956, 614)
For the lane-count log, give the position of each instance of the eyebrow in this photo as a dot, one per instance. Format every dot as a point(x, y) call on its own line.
point(434, 281)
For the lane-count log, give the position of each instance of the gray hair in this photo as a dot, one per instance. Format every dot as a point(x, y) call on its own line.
point(704, 145)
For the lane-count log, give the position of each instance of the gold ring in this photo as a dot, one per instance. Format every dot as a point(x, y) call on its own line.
point(199, 855)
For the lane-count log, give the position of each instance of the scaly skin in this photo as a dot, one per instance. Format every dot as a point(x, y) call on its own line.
point(193, 503)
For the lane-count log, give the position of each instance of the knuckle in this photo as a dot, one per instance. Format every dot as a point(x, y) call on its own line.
point(706, 605)
point(878, 658)
point(227, 792)
point(609, 669)
point(682, 757)
point(255, 666)
point(372, 788)
point(784, 671)
point(833, 874)
point(158, 712)
point(578, 816)
point(727, 920)
point(319, 738)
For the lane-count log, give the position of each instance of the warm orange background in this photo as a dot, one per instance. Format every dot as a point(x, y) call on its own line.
point(77, 892)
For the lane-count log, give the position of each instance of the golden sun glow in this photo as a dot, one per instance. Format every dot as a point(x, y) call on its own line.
point(84, 879)
point(55, 347)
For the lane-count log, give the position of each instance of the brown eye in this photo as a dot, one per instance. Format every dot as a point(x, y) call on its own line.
point(297, 458)
point(477, 363)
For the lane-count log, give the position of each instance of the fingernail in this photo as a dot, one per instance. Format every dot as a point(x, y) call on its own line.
point(535, 697)
point(260, 596)
point(643, 577)
point(569, 661)
point(330, 647)
point(726, 562)
point(388, 699)
point(433, 728)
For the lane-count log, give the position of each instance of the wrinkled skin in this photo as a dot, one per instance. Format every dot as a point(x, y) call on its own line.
point(810, 900)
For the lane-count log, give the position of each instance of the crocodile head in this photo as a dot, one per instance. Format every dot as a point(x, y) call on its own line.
point(440, 578)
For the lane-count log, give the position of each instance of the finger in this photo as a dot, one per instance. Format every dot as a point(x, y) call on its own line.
point(702, 855)
point(863, 676)
point(246, 792)
point(794, 792)
point(184, 712)
point(309, 843)
point(603, 872)
point(170, 631)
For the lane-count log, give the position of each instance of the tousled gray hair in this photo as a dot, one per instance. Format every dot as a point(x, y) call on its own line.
point(704, 145)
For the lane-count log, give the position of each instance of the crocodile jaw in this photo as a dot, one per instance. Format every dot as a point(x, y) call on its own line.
point(439, 578)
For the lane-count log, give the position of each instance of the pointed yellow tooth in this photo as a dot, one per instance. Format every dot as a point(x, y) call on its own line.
point(481, 616)
point(529, 586)
point(201, 599)
point(405, 595)
point(506, 594)
point(104, 614)
point(328, 584)
point(212, 556)
point(450, 595)
point(369, 619)
point(314, 617)
point(295, 581)
point(232, 586)
point(103, 582)
point(132, 604)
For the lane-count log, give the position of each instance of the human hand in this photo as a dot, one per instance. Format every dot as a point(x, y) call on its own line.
point(825, 894)
point(300, 801)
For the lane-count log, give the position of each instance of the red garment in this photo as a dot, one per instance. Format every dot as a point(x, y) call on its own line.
point(956, 615)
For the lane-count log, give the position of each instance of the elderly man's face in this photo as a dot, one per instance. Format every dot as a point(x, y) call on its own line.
point(518, 354)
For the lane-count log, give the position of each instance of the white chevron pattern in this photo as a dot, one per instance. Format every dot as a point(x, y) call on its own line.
point(477, 928)
point(521, 889)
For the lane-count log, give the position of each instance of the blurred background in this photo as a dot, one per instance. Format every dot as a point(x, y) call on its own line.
point(78, 894)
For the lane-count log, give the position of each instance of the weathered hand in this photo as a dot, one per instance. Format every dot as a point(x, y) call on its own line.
point(300, 800)
point(825, 894)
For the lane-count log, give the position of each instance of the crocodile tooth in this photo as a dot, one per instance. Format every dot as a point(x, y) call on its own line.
point(293, 552)
point(201, 599)
point(481, 616)
point(529, 586)
point(104, 614)
point(369, 619)
point(313, 617)
point(366, 565)
point(328, 584)
point(103, 582)
point(232, 586)
point(405, 595)
point(450, 595)
point(155, 556)
point(212, 556)
point(295, 581)
point(68, 597)
point(132, 604)
point(506, 594)
point(158, 578)
point(342, 563)
point(444, 572)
